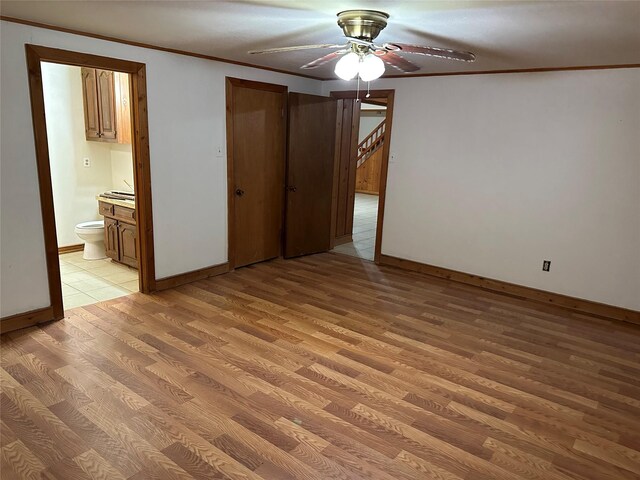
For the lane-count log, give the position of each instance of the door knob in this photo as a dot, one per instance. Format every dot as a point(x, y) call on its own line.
point(239, 192)
point(291, 188)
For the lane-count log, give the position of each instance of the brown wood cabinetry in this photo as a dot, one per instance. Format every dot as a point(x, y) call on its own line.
point(107, 114)
point(120, 233)
point(90, 100)
point(123, 107)
point(127, 244)
point(111, 238)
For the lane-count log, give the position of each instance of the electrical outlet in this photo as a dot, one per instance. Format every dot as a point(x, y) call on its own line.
point(546, 265)
point(86, 162)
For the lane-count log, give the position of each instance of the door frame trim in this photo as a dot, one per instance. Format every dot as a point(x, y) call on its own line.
point(230, 84)
point(35, 54)
point(389, 94)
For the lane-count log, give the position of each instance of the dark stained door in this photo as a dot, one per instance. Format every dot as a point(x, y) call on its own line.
point(347, 128)
point(258, 156)
point(310, 169)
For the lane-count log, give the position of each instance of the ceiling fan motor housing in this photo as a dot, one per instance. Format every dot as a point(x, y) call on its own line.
point(362, 24)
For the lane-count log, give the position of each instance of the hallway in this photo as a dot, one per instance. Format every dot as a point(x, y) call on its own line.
point(365, 216)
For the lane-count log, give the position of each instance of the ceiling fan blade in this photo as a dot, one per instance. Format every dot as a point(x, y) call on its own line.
point(297, 47)
point(397, 61)
point(431, 51)
point(326, 59)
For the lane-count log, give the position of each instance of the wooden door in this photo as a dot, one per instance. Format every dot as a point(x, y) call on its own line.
point(106, 104)
point(127, 242)
point(257, 126)
point(310, 169)
point(111, 238)
point(90, 100)
point(347, 128)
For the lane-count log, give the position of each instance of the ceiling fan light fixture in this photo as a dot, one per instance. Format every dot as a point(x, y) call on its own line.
point(362, 24)
point(348, 66)
point(364, 58)
point(371, 67)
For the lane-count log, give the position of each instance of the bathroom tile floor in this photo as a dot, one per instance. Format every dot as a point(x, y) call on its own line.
point(89, 281)
point(365, 216)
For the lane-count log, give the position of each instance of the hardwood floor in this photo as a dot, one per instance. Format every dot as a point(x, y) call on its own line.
point(322, 367)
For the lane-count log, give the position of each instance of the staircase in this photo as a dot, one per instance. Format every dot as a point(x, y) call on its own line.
point(369, 161)
point(371, 143)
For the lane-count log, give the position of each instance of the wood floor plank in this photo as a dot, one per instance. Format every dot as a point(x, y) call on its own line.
point(321, 367)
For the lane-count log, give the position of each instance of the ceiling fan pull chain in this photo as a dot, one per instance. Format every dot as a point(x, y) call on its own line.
point(368, 94)
point(358, 90)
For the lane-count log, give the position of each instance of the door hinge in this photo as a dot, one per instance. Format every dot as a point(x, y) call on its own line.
point(282, 113)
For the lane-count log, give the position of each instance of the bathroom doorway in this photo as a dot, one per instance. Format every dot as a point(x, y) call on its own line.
point(88, 122)
point(120, 200)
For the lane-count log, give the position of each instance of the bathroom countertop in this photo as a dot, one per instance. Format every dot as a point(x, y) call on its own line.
point(114, 201)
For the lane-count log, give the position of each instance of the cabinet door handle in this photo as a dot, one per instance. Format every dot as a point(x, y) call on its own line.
point(239, 192)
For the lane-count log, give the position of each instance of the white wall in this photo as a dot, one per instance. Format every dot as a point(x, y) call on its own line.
point(492, 174)
point(370, 117)
point(74, 186)
point(186, 100)
point(368, 123)
point(121, 167)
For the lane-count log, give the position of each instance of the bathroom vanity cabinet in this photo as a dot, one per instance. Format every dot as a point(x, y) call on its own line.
point(120, 231)
point(107, 114)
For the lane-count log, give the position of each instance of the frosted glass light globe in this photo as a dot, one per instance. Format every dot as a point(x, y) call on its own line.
point(347, 66)
point(371, 67)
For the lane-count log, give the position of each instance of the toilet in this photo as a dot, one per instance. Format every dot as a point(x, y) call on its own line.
point(92, 233)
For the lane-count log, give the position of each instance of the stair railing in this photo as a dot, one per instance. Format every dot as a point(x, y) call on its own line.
point(371, 143)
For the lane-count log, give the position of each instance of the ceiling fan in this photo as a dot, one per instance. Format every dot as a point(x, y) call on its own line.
point(360, 56)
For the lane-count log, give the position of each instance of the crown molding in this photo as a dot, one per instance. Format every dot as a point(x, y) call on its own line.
point(286, 72)
point(152, 47)
point(518, 70)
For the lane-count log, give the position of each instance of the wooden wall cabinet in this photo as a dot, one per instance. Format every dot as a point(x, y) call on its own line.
point(120, 233)
point(107, 114)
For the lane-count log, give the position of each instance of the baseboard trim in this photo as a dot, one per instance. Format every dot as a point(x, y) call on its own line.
point(576, 304)
point(342, 240)
point(26, 319)
point(71, 248)
point(188, 277)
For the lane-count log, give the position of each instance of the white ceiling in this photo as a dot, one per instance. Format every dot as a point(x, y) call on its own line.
point(503, 34)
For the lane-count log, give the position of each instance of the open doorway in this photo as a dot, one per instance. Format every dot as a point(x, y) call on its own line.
point(142, 241)
point(88, 123)
point(362, 154)
point(371, 138)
